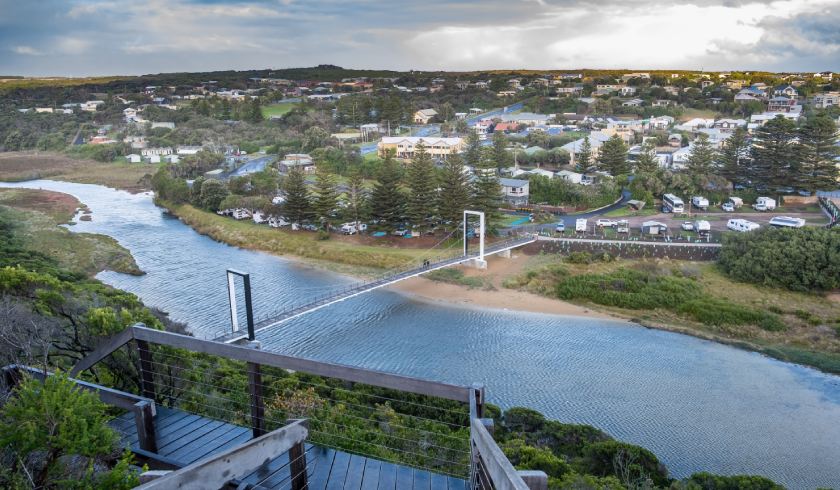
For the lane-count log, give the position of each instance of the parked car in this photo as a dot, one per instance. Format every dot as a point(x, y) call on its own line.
point(560, 227)
point(687, 226)
point(728, 207)
point(399, 232)
point(606, 223)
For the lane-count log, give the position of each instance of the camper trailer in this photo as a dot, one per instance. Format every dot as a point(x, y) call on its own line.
point(700, 202)
point(742, 225)
point(654, 228)
point(786, 222)
point(764, 204)
point(580, 225)
point(702, 227)
point(736, 202)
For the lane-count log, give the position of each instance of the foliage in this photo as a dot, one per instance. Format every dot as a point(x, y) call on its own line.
point(702, 156)
point(297, 203)
point(56, 419)
point(487, 191)
point(454, 194)
point(325, 198)
point(818, 154)
point(387, 200)
point(612, 157)
point(804, 259)
point(420, 206)
point(561, 192)
point(708, 481)
point(213, 192)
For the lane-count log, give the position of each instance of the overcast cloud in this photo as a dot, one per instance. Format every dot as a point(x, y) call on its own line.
point(91, 37)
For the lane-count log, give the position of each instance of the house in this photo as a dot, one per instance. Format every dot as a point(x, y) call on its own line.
point(780, 104)
point(596, 139)
point(753, 91)
point(154, 159)
point(577, 89)
point(161, 151)
point(506, 93)
point(173, 158)
point(134, 158)
point(679, 158)
point(697, 122)
point(541, 172)
point(825, 100)
point(188, 150)
point(660, 122)
point(608, 87)
point(633, 103)
point(729, 124)
point(785, 90)
point(627, 91)
point(482, 127)
point(734, 84)
point(130, 114)
point(568, 175)
point(405, 146)
point(91, 105)
point(506, 127)
point(706, 84)
point(675, 140)
point(514, 191)
point(744, 98)
point(167, 125)
point(423, 116)
point(44, 110)
point(662, 103)
point(297, 160)
point(528, 118)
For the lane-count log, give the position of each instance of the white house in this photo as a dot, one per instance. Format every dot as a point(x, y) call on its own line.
point(297, 160)
point(568, 175)
point(660, 122)
point(134, 158)
point(91, 105)
point(404, 146)
point(541, 171)
point(423, 116)
point(514, 191)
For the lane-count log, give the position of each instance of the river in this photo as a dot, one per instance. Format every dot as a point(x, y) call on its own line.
point(700, 406)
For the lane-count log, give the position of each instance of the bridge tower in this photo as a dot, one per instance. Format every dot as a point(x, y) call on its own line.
point(479, 262)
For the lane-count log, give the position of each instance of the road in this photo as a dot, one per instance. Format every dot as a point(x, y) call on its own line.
point(252, 166)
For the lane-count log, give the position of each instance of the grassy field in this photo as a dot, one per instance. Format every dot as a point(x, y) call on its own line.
point(805, 327)
point(20, 166)
point(278, 109)
point(40, 212)
point(627, 211)
point(335, 254)
point(689, 113)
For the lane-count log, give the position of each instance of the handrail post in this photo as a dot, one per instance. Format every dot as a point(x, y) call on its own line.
point(147, 375)
point(478, 395)
point(297, 460)
point(255, 390)
point(144, 419)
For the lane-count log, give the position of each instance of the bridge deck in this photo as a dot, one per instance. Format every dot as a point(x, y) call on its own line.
point(359, 289)
point(187, 438)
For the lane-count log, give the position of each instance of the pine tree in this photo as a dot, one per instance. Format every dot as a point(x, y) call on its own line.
point(819, 151)
point(387, 201)
point(487, 192)
point(500, 153)
point(733, 160)
point(702, 156)
point(472, 155)
point(255, 114)
point(775, 153)
point(325, 198)
point(297, 206)
point(357, 198)
point(420, 179)
point(454, 194)
point(584, 158)
point(647, 162)
point(613, 156)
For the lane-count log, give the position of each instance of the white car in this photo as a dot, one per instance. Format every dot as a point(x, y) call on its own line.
point(728, 207)
point(560, 227)
point(687, 226)
point(606, 223)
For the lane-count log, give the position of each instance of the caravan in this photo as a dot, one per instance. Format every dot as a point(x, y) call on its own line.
point(786, 222)
point(742, 225)
point(764, 204)
point(580, 225)
point(700, 202)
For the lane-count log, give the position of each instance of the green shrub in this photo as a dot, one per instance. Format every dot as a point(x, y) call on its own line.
point(525, 457)
point(707, 481)
point(579, 258)
point(717, 312)
point(608, 457)
point(626, 288)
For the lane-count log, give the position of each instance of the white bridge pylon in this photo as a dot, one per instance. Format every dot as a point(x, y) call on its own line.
point(478, 262)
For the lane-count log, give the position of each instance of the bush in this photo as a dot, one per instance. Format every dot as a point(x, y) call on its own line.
point(707, 481)
point(527, 457)
point(803, 259)
point(626, 288)
point(716, 312)
point(632, 464)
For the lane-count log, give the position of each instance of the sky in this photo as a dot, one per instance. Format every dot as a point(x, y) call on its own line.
point(132, 37)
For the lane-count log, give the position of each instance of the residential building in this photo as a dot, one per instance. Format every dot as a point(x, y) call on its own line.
point(188, 150)
point(596, 139)
point(528, 118)
point(134, 158)
point(825, 100)
point(660, 122)
point(627, 91)
point(729, 124)
point(159, 152)
point(785, 91)
point(167, 125)
point(735, 84)
point(515, 191)
point(423, 116)
point(405, 146)
point(633, 103)
point(568, 175)
point(609, 88)
point(781, 104)
point(297, 160)
point(91, 105)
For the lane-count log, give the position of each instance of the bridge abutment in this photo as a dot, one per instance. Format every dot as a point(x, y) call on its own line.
point(476, 263)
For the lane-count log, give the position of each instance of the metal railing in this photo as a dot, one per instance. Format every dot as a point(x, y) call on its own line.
point(427, 425)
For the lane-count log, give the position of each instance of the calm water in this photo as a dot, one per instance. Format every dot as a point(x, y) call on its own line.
point(696, 404)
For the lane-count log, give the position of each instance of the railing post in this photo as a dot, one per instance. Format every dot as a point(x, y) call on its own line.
point(144, 419)
point(255, 390)
point(297, 461)
point(535, 479)
point(147, 375)
point(478, 394)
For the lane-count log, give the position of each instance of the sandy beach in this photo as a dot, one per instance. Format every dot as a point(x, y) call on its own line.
point(500, 298)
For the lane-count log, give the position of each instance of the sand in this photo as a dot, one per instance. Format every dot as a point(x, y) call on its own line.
point(500, 298)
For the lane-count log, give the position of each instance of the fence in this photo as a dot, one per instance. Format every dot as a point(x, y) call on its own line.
point(430, 426)
point(831, 208)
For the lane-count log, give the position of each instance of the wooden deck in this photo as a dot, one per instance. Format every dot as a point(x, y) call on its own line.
point(187, 438)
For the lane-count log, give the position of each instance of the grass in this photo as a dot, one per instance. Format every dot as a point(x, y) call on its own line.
point(698, 299)
point(452, 275)
point(627, 211)
point(353, 257)
point(278, 109)
point(21, 166)
point(689, 113)
point(40, 212)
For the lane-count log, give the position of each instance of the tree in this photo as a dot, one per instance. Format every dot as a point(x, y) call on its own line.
point(420, 179)
point(454, 193)
point(296, 206)
point(387, 201)
point(254, 114)
point(357, 197)
point(819, 151)
point(702, 156)
point(613, 156)
point(325, 198)
point(314, 137)
point(472, 155)
point(584, 158)
point(57, 419)
point(647, 162)
point(733, 159)
point(213, 192)
point(501, 155)
point(487, 192)
point(775, 153)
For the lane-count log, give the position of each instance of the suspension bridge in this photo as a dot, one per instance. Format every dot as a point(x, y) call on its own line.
point(475, 257)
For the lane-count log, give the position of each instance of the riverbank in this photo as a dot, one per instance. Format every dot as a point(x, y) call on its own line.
point(805, 328)
point(39, 214)
point(30, 165)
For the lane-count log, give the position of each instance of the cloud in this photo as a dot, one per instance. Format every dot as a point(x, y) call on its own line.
point(73, 37)
point(26, 51)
